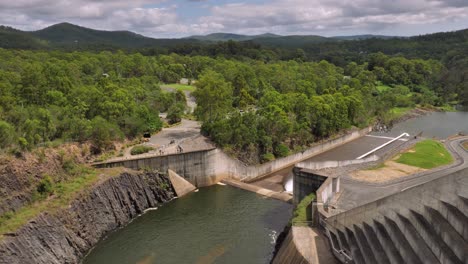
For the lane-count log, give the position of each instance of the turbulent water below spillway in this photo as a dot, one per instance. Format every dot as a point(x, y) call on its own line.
point(218, 224)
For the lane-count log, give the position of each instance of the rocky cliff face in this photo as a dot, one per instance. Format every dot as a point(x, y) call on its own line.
point(66, 236)
point(19, 176)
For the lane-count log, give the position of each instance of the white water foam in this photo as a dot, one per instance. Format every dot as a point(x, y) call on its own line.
point(288, 186)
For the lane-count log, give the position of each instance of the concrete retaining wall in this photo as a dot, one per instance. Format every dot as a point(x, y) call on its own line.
point(199, 168)
point(313, 165)
point(206, 167)
point(249, 173)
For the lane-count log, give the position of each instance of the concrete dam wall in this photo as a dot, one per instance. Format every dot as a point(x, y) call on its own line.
point(423, 224)
point(206, 167)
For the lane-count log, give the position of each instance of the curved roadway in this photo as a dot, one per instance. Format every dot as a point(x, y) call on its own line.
point(356, 193)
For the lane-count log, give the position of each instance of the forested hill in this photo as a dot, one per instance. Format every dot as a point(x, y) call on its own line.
point(102, 96)
point(66, 33)
point(229, 36)
point(72, 37)
point(69, 36)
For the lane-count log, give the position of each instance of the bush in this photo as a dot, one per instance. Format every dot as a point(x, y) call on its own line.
point(268, 157)
point(281, 150)
point(45, 186)
point(175, 112)
point(300, 213)
point(23, 143)
point(102, 134)
point(7, 134)
point(137, 150)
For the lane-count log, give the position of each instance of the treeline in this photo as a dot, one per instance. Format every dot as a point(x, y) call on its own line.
point(262, 109)
point(47, 96)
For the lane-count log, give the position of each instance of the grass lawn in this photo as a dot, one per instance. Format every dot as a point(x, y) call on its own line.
point(447, 108)
point(299, 215)
point(63, 194)
point(426, 154)
point(400, 111)
point(181, 87)
point(140, 149)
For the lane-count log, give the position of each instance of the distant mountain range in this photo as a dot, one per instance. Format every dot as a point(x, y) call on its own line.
point(69, 36)
point(66, 35)
point(237, 37)
point(229, 36)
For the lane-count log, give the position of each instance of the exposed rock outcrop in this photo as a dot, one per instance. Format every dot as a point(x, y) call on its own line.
point(20, 175)
point(66, 236)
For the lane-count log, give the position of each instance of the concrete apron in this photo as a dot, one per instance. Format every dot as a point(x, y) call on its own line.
point(282, 196)
point(181, 186)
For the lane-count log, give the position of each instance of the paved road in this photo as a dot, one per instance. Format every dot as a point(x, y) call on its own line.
point(351, 150)
point(186, 129)
point(357, 193)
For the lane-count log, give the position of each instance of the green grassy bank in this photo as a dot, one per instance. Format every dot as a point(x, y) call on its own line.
point(426, 154)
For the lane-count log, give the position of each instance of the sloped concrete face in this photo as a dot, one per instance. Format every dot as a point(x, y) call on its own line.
point(181, 185)
point(424, 224)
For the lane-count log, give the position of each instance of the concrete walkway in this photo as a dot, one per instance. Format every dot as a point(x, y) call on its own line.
point(186, 137)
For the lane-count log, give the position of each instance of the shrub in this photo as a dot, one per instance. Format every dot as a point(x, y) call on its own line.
point(175, 112)
point(7, 134)
point(268, 157)
point(281, 150)
point(23, 143)
point(300, 213)
point(137, 150)
point(45, 186)
point(102, 134)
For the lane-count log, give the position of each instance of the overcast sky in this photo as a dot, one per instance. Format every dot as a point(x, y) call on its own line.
point(178, 18)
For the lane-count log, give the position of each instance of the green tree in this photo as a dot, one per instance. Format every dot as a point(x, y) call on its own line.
point(175, 113)
point(7, 134)
point(213, 97)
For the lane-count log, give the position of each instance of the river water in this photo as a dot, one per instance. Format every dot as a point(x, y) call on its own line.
point(218, 224)
point(439, 125)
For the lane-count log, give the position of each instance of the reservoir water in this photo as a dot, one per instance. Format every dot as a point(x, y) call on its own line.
point(439, 125)
point(218, 224)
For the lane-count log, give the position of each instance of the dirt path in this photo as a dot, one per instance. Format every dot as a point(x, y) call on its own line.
point(390, 171)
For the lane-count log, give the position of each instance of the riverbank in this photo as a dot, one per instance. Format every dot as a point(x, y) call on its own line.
point(217, 224)
point(65, 236)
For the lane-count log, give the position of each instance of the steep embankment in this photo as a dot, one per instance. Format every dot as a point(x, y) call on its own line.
point(66, 236)
point(20, 176)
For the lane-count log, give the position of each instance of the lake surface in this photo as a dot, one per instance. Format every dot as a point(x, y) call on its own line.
point(218, 224)
point(439, 125)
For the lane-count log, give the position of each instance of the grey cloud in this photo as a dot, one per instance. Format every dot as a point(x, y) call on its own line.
point(313, 15)
point(279, 16)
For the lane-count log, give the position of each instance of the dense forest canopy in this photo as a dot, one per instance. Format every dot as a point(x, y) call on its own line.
point(261, 98)
point(264, 109)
